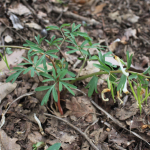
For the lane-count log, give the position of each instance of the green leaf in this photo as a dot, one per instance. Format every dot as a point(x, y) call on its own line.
point(52, 28)
point(27, 70)
point(60, 86)
point(68, 79)
point(44, 64)
point(13, 77)
point(40, 61)
point(35, 59)
point(129, 59)
point(47, 80)
point(101, 58)
point(104, 67)
point(8, 51)
point(77, 27)
point(29, 43)
point(133, 76)
point(84, 51)
point(65, 25)
point(68, 88)
point(147, 70)
point(52, 55)
point(45, 98)
point(46, 75)
point(70, 85)
point(92, 85)
point(55, 146)
point(63, 73)
point(22, 64)
point(72, 51)
point(121, 82)
point(55, 96)
point(32, 72)
point(85, 42)
point(66, 30)
point(71, 74)
point(37, 39)
point(52, 51)
point(43, 88)
point(82, 34)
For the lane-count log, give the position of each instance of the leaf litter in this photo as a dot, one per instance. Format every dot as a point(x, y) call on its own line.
point(127, 17)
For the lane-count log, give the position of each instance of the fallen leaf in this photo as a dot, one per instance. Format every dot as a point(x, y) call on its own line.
point(99, 8)
point(115, 16)
point(8, 143)
point(130, 33)
point(67, 138)
point(6, 88)
point(123, 114)
point(20, 9)
point(13, 59)
point(81, 106)
point(8, 39)
point(130, 17)
point(15, 21)
point(34, 25)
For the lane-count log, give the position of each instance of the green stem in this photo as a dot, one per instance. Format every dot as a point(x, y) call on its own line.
point(82, 66)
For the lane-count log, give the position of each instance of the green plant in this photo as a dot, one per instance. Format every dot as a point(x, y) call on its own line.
point(60, 67)
point(37, 145)
point(55, 146)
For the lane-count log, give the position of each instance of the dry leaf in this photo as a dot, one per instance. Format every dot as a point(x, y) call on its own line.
point(20, 9)
point(115, 16)
point(34, 25)
point(8, 143)
point(130, 33)
point(6, 88)
point(99, 8)
point(80, 107)
point(15, 21)
point(13, 59)
point(130, 17)
point(8, 39)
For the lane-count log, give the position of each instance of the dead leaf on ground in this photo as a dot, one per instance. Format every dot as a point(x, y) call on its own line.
point(99, 8)
point(13, 59)
point(130, 17)
point(81, 106)
point(115, 16)
point(34, 25)
point(8, 143)
point(20, 9)
point(6, 88)
point(130, 33)
point(123, 114)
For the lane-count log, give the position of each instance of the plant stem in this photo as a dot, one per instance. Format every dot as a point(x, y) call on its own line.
point(19, 47)
point(82, 66)
point(58, 103)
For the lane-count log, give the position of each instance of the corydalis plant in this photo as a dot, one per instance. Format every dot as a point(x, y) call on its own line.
point(57, 75)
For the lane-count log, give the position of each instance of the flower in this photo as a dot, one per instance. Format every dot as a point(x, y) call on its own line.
point(102, 94)
point(125, 88)
point(122, 69)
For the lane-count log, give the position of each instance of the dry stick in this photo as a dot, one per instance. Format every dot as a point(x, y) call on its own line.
point(27, 94)
point(75, 128)
point(116, 121)
point(75, 16)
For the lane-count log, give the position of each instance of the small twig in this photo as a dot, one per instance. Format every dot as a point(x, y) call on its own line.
point(75, 128)
point(116, 121)
point(27, 94)
point(75, 16)
point(91, 125)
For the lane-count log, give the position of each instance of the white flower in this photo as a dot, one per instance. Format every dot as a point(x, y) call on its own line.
point(122, 69)
point(125, 88)
point(102, 94)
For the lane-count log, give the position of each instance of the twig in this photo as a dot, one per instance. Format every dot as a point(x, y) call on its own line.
point(91, 125)
point(27, 94)
point(116, 121)
point(75, 16)
point(75, 128)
